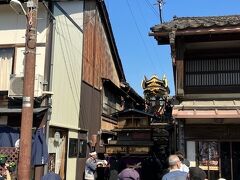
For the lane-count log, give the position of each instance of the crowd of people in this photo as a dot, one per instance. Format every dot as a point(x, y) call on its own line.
point(6, 174)
point(114, 169)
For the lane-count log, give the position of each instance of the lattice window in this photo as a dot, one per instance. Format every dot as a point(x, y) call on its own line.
point(12, 156)
point(212, 72)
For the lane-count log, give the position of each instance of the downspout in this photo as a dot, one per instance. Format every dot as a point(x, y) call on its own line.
point(49, 68)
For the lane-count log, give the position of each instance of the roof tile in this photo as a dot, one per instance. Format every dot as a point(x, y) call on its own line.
point(182, 23)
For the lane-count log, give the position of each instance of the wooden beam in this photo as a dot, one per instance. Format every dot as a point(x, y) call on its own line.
point(179, 77)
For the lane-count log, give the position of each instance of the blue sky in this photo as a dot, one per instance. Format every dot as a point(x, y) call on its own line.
point(131, 21)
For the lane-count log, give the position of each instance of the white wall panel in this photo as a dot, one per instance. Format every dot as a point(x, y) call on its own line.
point(74, 9)
point(13, 26)
point(191, 153)
point(40, 61)
point(67, 67)
point(71, 162)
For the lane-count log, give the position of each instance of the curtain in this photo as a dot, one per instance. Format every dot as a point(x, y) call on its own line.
point(6, 61)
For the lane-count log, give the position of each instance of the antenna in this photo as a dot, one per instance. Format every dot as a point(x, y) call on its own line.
point(160, 6)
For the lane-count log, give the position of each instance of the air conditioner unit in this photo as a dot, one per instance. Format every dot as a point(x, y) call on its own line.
point(16, 86)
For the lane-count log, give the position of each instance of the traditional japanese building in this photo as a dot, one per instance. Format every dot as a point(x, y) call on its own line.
point(206, 62)
point(79, 82)
point(145, 135)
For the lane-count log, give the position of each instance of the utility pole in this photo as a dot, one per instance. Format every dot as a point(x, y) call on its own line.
point(24, 165)
point(160, 5)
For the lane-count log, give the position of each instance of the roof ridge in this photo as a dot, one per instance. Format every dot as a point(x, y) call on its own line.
point(204, 17)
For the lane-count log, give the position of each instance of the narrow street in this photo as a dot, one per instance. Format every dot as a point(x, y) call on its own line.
point(119, 90)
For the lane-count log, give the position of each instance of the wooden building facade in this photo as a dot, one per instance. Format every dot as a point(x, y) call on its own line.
point(79, 79)
point(104, 89)
point(206, 62)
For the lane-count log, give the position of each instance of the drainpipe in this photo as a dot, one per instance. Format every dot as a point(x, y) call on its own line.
point(49, 68)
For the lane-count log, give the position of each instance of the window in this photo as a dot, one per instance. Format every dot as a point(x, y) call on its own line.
point(6, 63)
point(73, 147)
point(82, 148)
point(205, 154)
point(212, 71)
point(208, 155)
point(77, 148)
point(111, 102)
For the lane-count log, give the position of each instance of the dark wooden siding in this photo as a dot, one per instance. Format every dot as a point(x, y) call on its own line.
point(212, 132)
point(98, 62)
point(97, 58)
point(90, 117)
point(90, 109)
point(81, 161)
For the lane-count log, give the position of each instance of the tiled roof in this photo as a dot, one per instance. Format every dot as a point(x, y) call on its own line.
point(184, 23)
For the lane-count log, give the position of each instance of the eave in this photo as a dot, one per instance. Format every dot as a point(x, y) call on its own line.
point(206, 114)
point(163, 36)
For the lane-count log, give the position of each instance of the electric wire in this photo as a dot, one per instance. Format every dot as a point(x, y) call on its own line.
point(145, 24)
point(140, 34)
point(151, 7)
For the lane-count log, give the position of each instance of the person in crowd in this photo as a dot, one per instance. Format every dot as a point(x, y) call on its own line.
point(129, 173)
point(91, 166)
point(184, 162)
point(6, 173)
point(102, 167)
point(151, 168)
point(196, 173)
point(51, 176)
point(174, 169)
point(114, 169)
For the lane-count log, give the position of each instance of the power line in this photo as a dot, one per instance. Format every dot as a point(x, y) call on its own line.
point(140, 34)
point(151, 7)
point(145, 24)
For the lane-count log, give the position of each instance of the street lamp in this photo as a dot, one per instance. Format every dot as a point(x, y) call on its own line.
point(24, 164)
point(17, 7)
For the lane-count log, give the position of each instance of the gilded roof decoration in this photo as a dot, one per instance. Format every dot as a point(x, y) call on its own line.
point(154, 86)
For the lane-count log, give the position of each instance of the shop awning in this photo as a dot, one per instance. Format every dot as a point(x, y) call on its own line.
point(207, 109)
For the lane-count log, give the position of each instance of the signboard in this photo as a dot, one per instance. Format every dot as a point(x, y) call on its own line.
point(125, 149)
point(116, 149)
point(138, 150)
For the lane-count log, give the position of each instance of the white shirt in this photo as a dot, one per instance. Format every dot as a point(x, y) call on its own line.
point(184, 168)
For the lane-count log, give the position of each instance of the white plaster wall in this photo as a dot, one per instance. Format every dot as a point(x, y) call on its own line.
point(40, 61)
point(71, 162)
point(13, 26)
point(67, 66)
point(191, 153)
